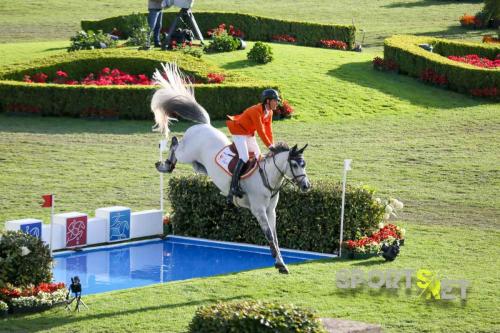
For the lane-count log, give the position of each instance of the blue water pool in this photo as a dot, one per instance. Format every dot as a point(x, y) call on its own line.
point(175, 258)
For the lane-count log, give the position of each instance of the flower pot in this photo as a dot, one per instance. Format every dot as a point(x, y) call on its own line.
point(346, 254)
point(32, 309)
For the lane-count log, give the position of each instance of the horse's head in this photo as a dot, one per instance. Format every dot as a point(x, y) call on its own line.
point(296, 168)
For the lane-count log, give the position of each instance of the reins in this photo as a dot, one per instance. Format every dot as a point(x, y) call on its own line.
point(284, 180)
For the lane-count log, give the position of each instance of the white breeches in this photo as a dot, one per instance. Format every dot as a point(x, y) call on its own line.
point(246, 144)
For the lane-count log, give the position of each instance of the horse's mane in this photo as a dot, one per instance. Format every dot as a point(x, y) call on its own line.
point(281, 147)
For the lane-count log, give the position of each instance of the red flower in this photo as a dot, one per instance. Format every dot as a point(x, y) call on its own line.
point(215, 78)
point(61, 73)
point(333, 44)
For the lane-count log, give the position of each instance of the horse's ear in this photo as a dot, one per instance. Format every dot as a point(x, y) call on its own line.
point(303, 148)
point(294, 148)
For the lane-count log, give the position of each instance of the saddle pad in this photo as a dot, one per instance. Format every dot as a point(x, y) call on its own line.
point(227, 158)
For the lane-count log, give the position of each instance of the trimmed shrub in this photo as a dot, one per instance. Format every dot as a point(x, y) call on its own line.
point(222, 42)
point(461, 77)
point(254, 317)
point(260, 53)
point(256, 28)
point(127, 102)
point(306, 221)
point(24, 260)
point(90, 40)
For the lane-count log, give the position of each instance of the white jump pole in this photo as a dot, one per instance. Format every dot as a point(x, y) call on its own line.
point(163, 147)
point(347, 167)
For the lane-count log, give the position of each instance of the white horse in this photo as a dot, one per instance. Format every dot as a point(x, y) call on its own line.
point(202, 142)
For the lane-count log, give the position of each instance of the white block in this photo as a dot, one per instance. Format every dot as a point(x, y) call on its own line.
point(96, 230)
point(117, 222)
point(29, 226)
point(146, 223)
point(75, 228)
point(59, 236)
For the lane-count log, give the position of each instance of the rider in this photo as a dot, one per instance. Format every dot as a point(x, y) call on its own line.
point(243, 126)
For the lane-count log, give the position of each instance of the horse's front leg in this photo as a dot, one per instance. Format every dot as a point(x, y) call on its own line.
point(275, 250)
point(261, 216)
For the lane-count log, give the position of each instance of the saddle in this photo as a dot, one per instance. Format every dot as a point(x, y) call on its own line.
point(227, 158)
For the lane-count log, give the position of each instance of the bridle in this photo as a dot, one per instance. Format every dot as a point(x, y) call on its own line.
point(296, 179)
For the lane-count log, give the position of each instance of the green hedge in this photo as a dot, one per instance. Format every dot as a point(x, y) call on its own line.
point(255, 27)
point(413, 60)
point(254, 317)
point(128, 102)
point(306, 221)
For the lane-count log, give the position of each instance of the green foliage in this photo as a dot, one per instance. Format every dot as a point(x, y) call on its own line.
point(22, 270)
point(140, 37)
point(260, 53)
point(412, 60)
point(255, 27)
point(128, 102)
point(133, 22)
point(222, 42)
point(306, 221)
point(254, 317)
point(90, 40)
point(491, 11)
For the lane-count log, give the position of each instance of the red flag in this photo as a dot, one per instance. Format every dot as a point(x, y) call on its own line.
point(47, 200)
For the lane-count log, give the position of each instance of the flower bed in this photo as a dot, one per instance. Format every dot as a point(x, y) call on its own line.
point(105, 77)
point(32, 298)
point(285, 110)
point(284, 38)
point(232, 31)
point(333, 44)
point(124, 101)
point(437, 68)
point(475, 60)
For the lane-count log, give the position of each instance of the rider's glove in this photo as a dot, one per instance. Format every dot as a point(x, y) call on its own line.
point(273, 149)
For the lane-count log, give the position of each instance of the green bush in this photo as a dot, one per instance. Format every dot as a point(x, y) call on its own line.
point(140, 37)
point(260, 53)
point(222, 42)
point(306, 221)
point(90, 40)
point(127, 102)
point(256, 28)
point(413, 60)
point(20, 269)
point(254, 317)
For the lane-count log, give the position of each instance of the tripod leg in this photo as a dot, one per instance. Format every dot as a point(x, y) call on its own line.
point(171, 30)
point(195, 26)
point(83, 303)
point(67, 307)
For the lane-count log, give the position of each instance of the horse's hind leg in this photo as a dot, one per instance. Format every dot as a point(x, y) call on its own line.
point(169, 164)
point(172, 159)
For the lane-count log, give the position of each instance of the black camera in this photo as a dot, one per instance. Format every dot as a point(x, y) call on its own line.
point(75, 286)
point(390, 252)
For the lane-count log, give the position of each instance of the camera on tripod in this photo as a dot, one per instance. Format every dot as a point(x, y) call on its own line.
point(186, 17)
point(76, 289)
point(75, 286)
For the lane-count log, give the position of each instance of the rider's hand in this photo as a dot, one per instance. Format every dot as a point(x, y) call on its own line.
point(273, 149)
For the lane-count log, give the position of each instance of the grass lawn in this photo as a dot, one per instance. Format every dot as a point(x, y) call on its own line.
point(435, 150)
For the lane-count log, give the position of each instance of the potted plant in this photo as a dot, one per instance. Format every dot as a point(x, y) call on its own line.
point(4, 308)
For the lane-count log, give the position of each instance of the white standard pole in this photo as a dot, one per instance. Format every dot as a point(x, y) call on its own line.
point(162, 146)
point(52, 223)
point(347, 167)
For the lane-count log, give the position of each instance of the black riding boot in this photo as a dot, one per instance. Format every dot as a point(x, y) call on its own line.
point(235, 183)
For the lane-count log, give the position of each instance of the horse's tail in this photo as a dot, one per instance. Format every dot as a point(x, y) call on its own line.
point(175, 98)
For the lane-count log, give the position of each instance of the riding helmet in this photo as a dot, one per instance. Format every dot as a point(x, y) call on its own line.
point(270, 94)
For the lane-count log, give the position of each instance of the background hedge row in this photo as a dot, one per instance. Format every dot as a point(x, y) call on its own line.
point(254, 27)
point(306, 221)
point(413, 60)
point(128, 102)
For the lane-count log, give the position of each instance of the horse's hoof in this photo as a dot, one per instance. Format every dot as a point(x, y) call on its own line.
point(282, 268)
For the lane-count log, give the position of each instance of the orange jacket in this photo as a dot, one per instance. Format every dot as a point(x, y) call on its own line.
point(251, 120)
